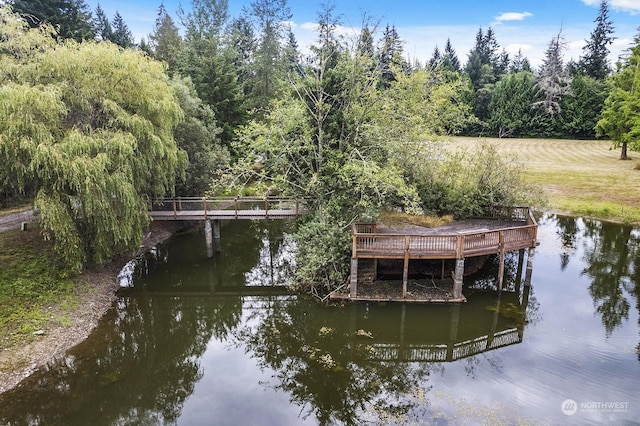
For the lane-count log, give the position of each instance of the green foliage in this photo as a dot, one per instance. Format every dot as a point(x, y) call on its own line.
point(466, 183)
point(511, 112)
point(197, 135)
point(581, 109)
point(621, 114)
point(90, 128)
point(71, 18)
point(322, 252)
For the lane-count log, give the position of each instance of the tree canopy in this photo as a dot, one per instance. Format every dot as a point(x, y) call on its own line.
point(89, 129)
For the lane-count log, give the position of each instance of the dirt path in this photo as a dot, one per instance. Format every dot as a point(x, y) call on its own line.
point(96, 295)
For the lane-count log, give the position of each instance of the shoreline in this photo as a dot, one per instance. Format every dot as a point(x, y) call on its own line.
point(97, 293)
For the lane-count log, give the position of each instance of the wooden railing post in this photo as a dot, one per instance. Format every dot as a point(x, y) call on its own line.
point(235, 207)
point(460, 247)
point(266, 207)
point(174, 208)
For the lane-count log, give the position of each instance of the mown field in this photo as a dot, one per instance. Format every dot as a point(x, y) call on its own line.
point(580, 177)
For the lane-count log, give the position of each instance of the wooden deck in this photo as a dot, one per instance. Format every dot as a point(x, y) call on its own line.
point(508, 229)
point(225, 208)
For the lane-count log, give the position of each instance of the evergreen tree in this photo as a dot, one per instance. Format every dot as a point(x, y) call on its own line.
point(292, 54)
point(72, 18)
point(582, 107)
point(390, 56)
point(553, 82)
point(269, 63)
point(101, 23)
point(449, 58)
point(122, 36)
point(435, 59)
point(209, 61)
point(520, 63)
point(510, 108)
point(165, 41)
point(243, 42)
point(594, 62)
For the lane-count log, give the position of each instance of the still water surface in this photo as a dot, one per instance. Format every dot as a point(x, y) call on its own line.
point(197, 341)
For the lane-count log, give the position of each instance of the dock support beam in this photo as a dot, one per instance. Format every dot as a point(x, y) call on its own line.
point(527, 275)
point(208, 238)
point(501, 266)
point(216, 235)
point(457, 279)
point(353, 283)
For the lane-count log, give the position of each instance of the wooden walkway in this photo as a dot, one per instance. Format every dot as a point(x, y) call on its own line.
point(226, 208)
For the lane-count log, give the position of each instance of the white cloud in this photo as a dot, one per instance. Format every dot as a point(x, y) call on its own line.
point(512, 16)
point(631, 6)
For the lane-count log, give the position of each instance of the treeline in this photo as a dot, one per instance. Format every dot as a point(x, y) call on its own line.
point(239, 65)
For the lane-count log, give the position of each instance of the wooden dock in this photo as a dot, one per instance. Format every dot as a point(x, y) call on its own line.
point(214, 209)
point(509, 229)
point(226, 208)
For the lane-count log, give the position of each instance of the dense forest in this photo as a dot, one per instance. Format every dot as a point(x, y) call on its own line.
point(95, 125)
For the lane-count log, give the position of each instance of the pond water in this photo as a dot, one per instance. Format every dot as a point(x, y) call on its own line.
point(198, 341)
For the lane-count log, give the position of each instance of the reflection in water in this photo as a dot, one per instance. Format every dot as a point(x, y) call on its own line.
point(153, 354)
point(611, 253)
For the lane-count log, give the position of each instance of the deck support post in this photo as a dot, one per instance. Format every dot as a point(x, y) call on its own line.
point(216, 235)
point(519, 270)
point(457, 278)
point(353, 283)
point(501, 267)
point(529, 272)
point(208, 238)
point(405, 270)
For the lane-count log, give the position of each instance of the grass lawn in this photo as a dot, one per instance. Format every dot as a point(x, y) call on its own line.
point(579, 177)
point(34, 289)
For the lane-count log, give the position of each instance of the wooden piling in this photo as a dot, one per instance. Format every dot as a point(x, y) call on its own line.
point(353, 283)
point(208, 238)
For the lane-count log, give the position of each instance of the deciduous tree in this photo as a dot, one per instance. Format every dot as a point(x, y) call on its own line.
point(90, 128)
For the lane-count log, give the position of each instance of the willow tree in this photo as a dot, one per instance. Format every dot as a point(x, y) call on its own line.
point(89, 129)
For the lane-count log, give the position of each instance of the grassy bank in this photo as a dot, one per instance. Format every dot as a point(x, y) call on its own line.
point(584, 178)
point(35, 291)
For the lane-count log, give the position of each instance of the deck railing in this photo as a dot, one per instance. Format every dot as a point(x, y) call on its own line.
point(369, 244)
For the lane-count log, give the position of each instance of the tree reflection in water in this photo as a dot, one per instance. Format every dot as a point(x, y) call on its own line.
point(612, 256)
point(341, 364)
point(138, 367)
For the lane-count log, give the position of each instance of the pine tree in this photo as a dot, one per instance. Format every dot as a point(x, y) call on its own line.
point(165, 40)
point(209, 61)
point(72, 18)
point(594, 62)
point(269, 61)
point(450, 59)
point(519, 63)
point(122, 36)
point(390, 59)
point(101, 23)
point(553, 82)
point(435, 60)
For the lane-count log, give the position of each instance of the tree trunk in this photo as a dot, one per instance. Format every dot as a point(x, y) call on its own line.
point(623, 152)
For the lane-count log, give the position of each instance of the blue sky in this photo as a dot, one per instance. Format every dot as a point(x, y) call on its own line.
point(423, 24)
